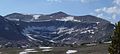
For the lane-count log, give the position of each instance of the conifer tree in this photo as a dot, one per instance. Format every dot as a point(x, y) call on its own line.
point(114, 48)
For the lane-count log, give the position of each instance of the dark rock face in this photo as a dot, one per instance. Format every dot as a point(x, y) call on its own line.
point(8, 30)
point(55, 28)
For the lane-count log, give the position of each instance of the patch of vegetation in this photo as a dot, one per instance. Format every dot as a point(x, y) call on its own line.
point(115, 45)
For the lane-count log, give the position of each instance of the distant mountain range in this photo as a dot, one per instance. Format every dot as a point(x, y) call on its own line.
point(56, 28)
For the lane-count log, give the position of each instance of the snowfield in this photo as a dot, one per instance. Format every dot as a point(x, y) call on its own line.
point(27, 51)
point(71, 51)
point(45, 47)
point(69, 18)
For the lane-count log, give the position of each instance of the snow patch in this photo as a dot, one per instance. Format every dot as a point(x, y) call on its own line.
point(83, 32)
point(52, 41)
point(28, 35)
point(70, 31)
point(91, 36)
point(91, 44)
point(92, 32)
point(23, 52)
point(97, 22)
point(61, 29)
point(108, 42)
point(26, 51)
point(45, 47)
point(36, 16)
point(29, 49)
point(71, 51)
point(70, 18)
point(14, 19)
point(46, 50)
point(51, 16)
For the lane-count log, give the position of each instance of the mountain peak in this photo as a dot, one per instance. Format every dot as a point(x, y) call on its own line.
point(60, 13)
point(14, 14)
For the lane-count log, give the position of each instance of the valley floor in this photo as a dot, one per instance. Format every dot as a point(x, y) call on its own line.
point(97, 49)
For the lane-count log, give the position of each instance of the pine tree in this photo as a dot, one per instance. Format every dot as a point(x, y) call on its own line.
point(115, 45)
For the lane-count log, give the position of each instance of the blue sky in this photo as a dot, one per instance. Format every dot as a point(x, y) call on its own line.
point(107, 9)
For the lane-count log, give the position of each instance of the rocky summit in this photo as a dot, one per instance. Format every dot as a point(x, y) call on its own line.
point(56, 28)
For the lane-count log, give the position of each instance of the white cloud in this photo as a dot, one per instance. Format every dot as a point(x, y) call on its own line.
point(109, 10)
point(100, 15)
point(98, 10)
point(114, 10)
point(116, 2)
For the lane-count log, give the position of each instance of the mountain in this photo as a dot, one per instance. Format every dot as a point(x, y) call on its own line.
point(58, 28)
